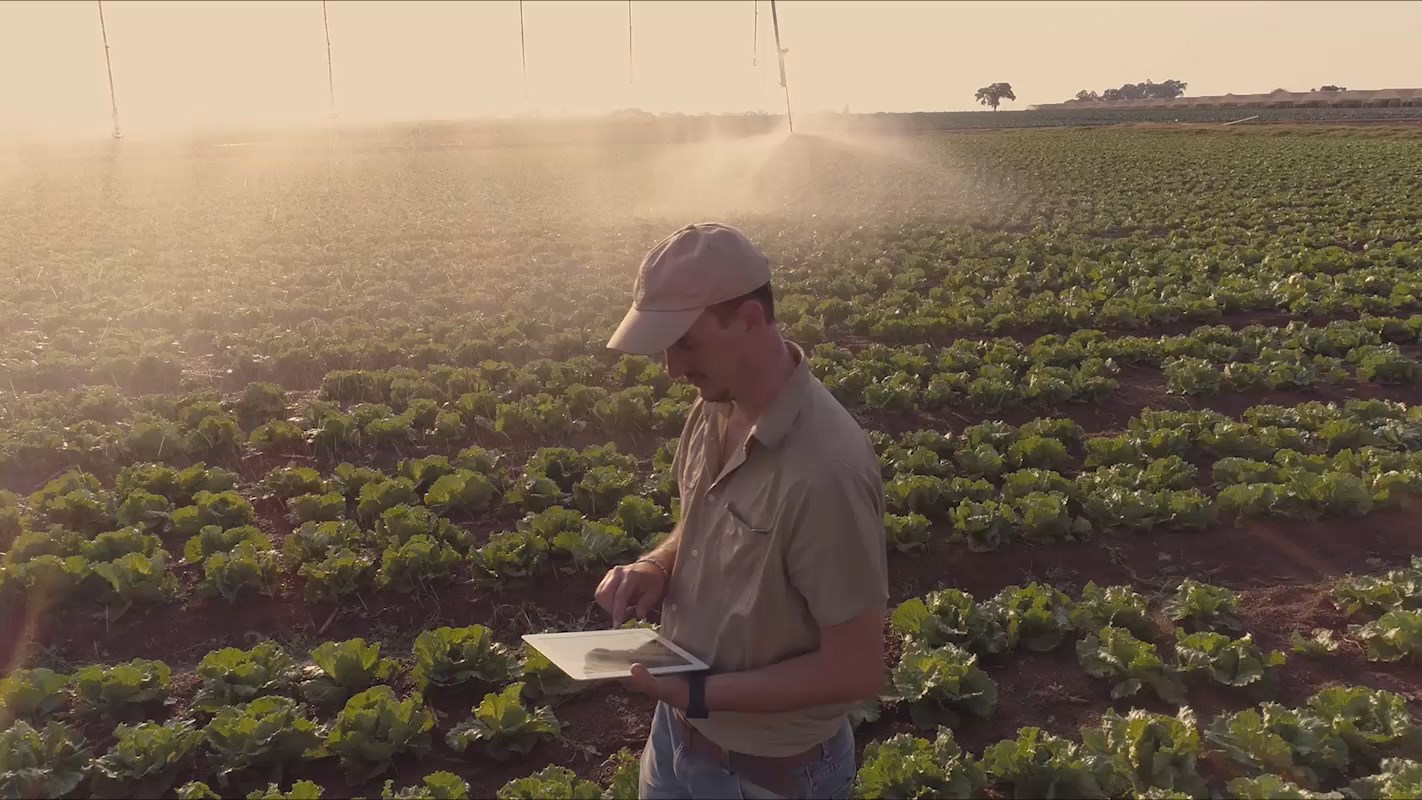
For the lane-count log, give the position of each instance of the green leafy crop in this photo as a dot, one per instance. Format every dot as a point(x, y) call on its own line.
point(340, 573)
point(906, 533)
point(511, 554)
point(267, 733)
point(374, 727)
point(1273, 787)
point(1039, 765)
point(418, 562)
point(550, 783)
point(300, 790)
point(434, 786)
point(341, 669)
point(1230, 662)
point(1146, 751)
point(1118, 606)
point(1205, 606)
point(451, 656)
point(50, 762)
point(31, 694)
point(213, 539)
point(949, 616)
point(123, 689)
point(462, 491)
point(246, 566)
point(503, 726)
point(1129, 663)
point(312, 540)
point(1296, 744)
point(1394, 636)
point(595, 544)
point(135, 578)
point(1035, 616)
point(905, 766)
point(1401, 778)
point(544, 681)
point(940, 684)
point(1399, 589)
point(232, 676)
point(145, 759)
point(1374, 723)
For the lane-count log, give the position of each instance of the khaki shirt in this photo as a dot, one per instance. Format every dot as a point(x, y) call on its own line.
point(787, 539)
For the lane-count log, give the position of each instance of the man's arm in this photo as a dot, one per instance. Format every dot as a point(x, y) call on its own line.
point(639, 586)
point(665, 553)
point(848, 667)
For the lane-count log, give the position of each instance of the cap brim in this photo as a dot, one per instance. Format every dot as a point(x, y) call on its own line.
point(647, 333)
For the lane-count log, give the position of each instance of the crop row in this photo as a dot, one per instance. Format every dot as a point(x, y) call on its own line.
point(359, 529)
point(1045, 231)
point(400, 409)
point(252, 715)
point(995, 483)
point(259, 710)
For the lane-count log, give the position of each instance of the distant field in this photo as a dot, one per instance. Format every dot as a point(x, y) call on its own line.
point(300, 392)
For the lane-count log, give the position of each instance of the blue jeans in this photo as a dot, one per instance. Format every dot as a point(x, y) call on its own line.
point(671, 771)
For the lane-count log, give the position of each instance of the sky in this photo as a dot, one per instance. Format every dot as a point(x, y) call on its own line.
point(179, 64)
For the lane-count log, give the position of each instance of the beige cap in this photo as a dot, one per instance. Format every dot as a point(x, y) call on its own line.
point(696, 267)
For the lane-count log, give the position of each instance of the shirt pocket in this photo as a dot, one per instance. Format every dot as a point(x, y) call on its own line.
point(744, 544)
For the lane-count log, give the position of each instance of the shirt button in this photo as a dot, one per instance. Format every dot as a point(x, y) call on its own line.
point(672, 607)
point(695, 553)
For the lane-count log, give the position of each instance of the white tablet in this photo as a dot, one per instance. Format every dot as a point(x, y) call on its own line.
point(594, 655)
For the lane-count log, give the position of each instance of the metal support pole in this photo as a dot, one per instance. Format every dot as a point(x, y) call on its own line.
point(755, 32)
point(330, 72)
point(780, 53)
point(629, 43)
point(108, 64)
point(522, 49)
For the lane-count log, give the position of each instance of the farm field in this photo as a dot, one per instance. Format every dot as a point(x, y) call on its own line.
point(1147, 404)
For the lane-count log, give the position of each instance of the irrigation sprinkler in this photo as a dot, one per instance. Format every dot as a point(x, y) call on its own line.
point(780, 54)
point(109, 65)
point(330, 72)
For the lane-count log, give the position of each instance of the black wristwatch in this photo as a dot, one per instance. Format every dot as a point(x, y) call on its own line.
point(696, 699)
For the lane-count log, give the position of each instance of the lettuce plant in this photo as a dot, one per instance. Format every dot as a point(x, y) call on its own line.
point(943, 683)
point(503, 727)
point(374, 727)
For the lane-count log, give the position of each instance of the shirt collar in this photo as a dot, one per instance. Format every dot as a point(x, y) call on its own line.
point(772, 426)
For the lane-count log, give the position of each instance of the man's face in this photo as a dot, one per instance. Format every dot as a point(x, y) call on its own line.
point(709, 356)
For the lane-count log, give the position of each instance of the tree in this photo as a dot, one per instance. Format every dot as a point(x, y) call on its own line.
point(994, 95)
point(1331, 88)
point(1168, 88)
point(1149, 90)
point(1086, 95)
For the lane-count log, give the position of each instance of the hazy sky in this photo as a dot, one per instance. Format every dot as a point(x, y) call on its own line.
point(178, 64)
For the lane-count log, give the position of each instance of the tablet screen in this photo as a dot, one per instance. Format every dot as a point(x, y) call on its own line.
point(586, 655)
point(650, 654)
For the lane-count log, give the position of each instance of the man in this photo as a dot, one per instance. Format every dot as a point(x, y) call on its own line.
point(776, 574)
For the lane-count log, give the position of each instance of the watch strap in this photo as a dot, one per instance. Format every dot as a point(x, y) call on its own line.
point(696, 696)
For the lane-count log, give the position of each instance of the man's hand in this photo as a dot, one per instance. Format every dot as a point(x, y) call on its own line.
point(674, 690)
point(638, 586)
